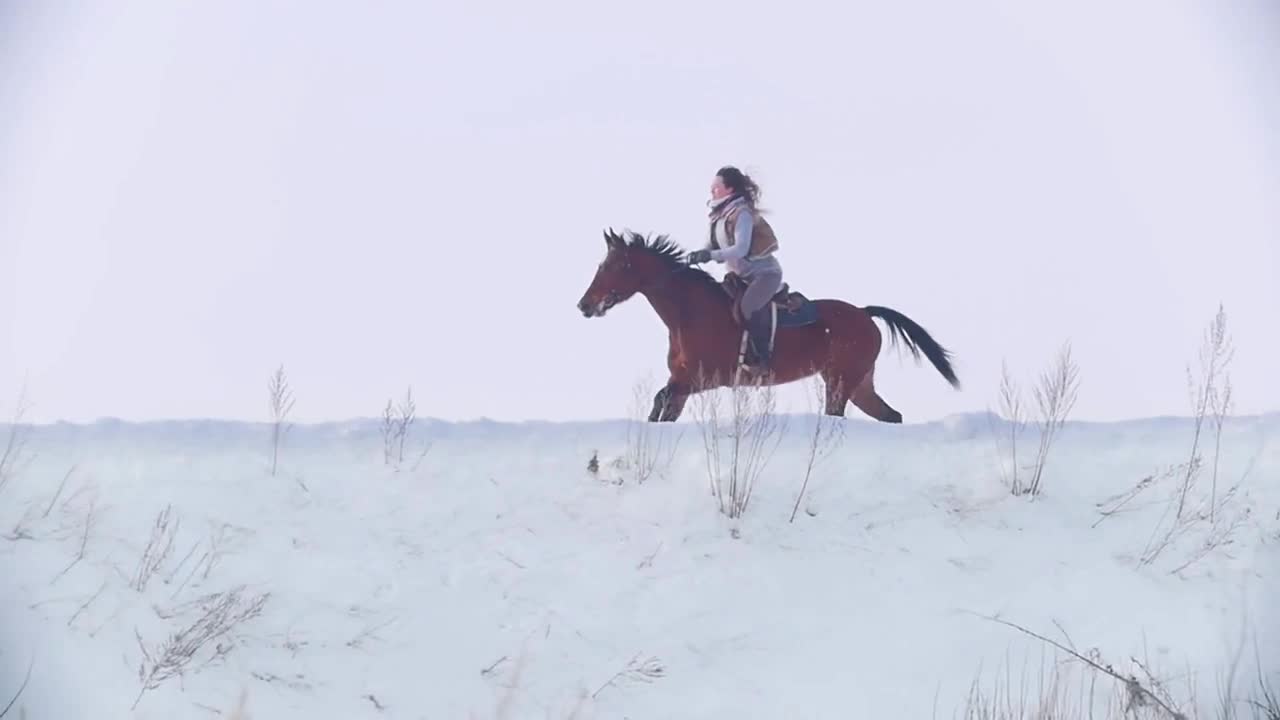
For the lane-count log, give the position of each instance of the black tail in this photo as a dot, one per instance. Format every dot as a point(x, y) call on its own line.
point(917, 340)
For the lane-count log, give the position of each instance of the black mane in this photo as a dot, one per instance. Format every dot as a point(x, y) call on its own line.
point(672, 257)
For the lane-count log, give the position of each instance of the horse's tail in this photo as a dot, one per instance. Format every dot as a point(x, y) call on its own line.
point(917, 340)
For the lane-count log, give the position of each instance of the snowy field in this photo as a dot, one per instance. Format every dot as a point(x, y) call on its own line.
point(497, 575)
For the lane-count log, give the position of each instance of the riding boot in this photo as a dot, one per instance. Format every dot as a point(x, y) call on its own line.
point(758, 354)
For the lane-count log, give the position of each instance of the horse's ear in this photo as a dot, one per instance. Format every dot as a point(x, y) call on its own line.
point(611, 239)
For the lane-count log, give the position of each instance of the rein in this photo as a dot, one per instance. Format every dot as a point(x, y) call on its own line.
point(663, 279)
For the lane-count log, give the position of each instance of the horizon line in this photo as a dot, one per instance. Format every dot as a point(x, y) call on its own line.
point(1029, 419)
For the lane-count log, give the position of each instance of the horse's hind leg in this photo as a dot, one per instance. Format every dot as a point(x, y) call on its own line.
point(837, 391)
point(866, 400)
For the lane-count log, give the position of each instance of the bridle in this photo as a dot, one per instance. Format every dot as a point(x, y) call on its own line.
point(612, 298)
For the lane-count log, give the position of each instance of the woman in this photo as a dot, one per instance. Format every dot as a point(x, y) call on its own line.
point(743, 240)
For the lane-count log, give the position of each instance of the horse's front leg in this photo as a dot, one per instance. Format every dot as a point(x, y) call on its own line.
point(669, 402)
point(660, 403)
point(671, 397)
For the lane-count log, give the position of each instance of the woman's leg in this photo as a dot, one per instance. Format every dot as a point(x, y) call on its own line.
point(761, 288)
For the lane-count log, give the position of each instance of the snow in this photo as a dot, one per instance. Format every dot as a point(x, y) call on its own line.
point(498, 577)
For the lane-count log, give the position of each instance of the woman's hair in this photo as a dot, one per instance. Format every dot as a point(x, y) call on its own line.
point(740, 183)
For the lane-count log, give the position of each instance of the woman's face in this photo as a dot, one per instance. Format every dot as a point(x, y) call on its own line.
point(719, 189)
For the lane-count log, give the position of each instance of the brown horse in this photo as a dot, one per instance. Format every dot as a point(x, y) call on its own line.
point(826, 336)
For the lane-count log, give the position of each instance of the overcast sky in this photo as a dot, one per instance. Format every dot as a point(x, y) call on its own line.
point(378, 195)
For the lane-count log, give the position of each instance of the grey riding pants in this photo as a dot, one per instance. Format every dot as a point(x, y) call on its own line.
point(761, 287)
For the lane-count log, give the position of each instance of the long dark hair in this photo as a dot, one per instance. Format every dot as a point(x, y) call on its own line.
point(740, 183)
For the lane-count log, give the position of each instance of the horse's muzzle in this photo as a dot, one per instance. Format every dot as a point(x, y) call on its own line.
point(598, 309)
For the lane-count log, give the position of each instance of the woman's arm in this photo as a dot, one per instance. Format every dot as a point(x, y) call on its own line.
point(741, 239)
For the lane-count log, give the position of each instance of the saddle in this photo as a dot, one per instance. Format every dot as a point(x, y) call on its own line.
point(788, 302)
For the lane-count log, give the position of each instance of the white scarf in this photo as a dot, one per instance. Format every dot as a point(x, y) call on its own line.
point(719, 210)
point(719, 207)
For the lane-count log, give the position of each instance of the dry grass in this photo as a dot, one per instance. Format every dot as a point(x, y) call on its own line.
point(397, 419)
point(205, 640)
point(1195, 520)
point(1012, 411)
point(281, 404)
point(737, 445)
point(1191, 511)
point(649, 451)
point(1055, 397)
point(1080, 684)
point(638, 669)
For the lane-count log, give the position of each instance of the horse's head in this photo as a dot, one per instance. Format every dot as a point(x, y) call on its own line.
point(623, 272)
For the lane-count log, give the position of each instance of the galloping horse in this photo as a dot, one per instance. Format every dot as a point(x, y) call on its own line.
point(827, 336)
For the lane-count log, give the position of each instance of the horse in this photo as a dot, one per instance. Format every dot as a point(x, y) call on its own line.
point(831, 337)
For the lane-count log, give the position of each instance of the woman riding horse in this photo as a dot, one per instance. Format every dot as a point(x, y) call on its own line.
point(743, 240)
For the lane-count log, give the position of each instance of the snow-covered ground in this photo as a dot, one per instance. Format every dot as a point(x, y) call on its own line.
point(496, 576)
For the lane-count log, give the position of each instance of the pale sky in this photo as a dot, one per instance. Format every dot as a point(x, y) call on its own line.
point(191, 195)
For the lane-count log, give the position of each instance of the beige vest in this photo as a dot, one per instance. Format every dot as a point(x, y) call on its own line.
point(763, 240)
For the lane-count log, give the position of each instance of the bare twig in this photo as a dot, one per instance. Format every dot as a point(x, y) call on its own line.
point(21, 688)
point(1116, 503)
point(388, 429)
point(407, 411)
point(648, 560)
point(646, 670)
point(168, 579)
point(706, 412)
point(511, 560)
point(1012, 411)
point(22, 528)
point(1220, 531)
point(828, 432)
point(208, 560)
point(369, 633)
point(158, 548)
point(1133, 688)
point(396, 421)
point(489, 670)
point(61, 486)
point(86, 604)
point(90, 516)
point(13, 456)
point(1266, 704)
point(426, 448)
